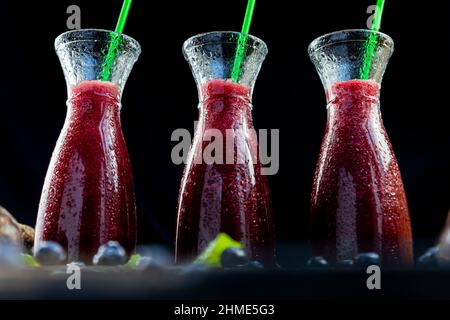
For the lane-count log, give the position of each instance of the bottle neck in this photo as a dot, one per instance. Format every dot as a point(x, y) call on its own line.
point(224, 104)
point(94, 90)
point(222, 89)
point(353, 90)
point(351, 54)
point(94, 101)
point(356, 101)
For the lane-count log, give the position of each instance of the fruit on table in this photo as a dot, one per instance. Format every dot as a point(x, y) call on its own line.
point(9, 229)
point(18, 233)
point(345, 264)
point(29, 261)
point(233, 257)
point(50, 253)
point(429, 259)
point(317, 262)
point(254, 265)
point(134, 261)
point(27, 235)
point(212, 255)
point(110, 254)
point(160, 254)
point(9, 254)
point(363, 260)
point(79, 264)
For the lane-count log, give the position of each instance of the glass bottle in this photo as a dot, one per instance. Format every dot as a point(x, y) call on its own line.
point(225, 192)
point(443, 246)
point(88, 196)
point(358, 202)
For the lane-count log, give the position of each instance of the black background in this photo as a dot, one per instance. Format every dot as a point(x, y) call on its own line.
point(160, 96)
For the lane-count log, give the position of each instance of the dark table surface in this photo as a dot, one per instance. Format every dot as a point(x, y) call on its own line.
point(293, 281)
point(169, 284)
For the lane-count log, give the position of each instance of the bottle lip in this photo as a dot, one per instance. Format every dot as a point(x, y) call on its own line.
point(79, 35)
point(216, 37)
point(348, 35)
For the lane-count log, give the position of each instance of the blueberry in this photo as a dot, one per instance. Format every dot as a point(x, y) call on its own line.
point(160, 254)
point(363, 260)
point(143, 262)
point(50, 253)
point(79, 264)
point(233, 257)
point(317, 262)
point(147, 263)
point(9, 253)
point(345, 264)
point(254, 265)
point(110, 254)
point(429, 259)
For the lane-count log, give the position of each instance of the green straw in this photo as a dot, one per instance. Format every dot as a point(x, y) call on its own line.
point(111, 56)
point(372, 41)
point(242, 40)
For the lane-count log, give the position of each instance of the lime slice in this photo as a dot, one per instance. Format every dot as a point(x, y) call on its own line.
point(29, 261)
point(134, 259)
point(211, 255)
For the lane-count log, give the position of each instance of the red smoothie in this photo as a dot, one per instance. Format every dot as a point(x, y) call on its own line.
point(88, 196)
point(232, 197)
point(358, 200)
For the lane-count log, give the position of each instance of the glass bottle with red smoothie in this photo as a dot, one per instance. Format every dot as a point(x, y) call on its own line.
point(224, 190)
point(358, 202)
point(88, 196)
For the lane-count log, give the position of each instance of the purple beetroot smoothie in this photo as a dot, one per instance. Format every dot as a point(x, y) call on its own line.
point(358, 200)
point(231, 198)
point(88, 196)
